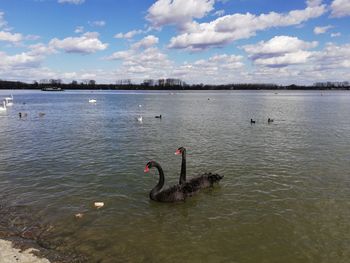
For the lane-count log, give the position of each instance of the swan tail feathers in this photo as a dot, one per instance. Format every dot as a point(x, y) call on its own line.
point(215, 178)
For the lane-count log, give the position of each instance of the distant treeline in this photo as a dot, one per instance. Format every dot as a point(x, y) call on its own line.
point(93, 86)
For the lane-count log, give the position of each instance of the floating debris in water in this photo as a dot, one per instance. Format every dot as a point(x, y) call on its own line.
point(99, 204)
point(79, 216)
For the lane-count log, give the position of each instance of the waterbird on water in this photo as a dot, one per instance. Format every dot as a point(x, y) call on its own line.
point(24, 115)
point(9, 101)
point(175, 193)
point(92, 100)
point(158, 117)
point(269, 120)
point(139, 119)
point(251, 121)
point(3, 107)
point(199, 182)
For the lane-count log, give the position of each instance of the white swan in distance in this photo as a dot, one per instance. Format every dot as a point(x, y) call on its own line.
point(139, 119)
point(9, 101)
point(3, 107)
point(92, 100)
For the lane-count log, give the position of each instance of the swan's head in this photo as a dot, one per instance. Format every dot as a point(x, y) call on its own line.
point(148, 166)
point(180, 151)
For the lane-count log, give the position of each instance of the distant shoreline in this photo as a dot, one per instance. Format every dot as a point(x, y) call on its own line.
point(16, 85)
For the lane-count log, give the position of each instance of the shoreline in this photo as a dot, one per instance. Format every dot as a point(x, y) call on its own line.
point(9, 253)
point(25, 238)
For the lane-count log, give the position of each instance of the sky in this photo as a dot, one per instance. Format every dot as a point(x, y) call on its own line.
point(197, 41)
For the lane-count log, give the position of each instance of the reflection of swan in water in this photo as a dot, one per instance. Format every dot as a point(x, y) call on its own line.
point(3, 107)
point(92, 100)
point(172, 194)
point(139, 119)
point(199, 182)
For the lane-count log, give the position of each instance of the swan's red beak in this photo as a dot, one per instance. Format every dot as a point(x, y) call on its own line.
point(178, 152)
point(146, 170)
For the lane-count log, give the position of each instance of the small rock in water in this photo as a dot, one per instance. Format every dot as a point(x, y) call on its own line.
point(99, 204)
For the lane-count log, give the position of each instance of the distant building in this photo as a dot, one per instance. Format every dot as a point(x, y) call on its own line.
point(170, 82)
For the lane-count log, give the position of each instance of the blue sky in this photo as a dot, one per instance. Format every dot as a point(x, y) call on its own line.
point(198, 41)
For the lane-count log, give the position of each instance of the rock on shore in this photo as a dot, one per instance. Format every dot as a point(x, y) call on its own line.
point(9, 254)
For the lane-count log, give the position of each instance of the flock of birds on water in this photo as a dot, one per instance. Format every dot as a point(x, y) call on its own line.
point(184, 189)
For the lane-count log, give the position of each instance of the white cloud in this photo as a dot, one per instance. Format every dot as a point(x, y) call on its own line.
point(79, 29)
point(321, 29)
point(229, 28)
point(25, 60)
point(76, 2)
point(143, 60)
point(218, 69)
point(32, 37)
point(99, 23)
point(146, 42)
point(3, 22)
point(10, 37)
point(178, 12)
point(22, 60)
point(86, 44)
point(41, 50)
point(120, 55)
point(333, 57)
point(313, 3)
point(129, 34)
point(219, 12)
point(340, 8)
point(280, 51)
point(337, 34)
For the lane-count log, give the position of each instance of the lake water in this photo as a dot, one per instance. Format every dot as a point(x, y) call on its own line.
point(285, 196)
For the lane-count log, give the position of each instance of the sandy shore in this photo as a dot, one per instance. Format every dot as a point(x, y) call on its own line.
point(9, 254)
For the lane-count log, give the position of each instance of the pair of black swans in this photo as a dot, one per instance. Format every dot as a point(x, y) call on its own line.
point(185, 188)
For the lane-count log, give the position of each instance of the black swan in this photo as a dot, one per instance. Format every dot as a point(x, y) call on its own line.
point(158, 116)
point(202, 181)
point(173, 194)
point(251, 121)
point(269, 120)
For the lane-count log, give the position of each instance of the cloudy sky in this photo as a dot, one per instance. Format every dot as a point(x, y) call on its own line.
point(198, 41)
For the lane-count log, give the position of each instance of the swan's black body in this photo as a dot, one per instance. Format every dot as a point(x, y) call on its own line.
point(173, 194)
point(252, 122)
point(199, 182)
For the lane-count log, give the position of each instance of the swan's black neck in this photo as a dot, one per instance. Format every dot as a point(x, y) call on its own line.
point(183, 168)
point(160, 184)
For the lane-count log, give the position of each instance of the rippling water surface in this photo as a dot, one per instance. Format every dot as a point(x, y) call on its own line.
point(285, 196)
